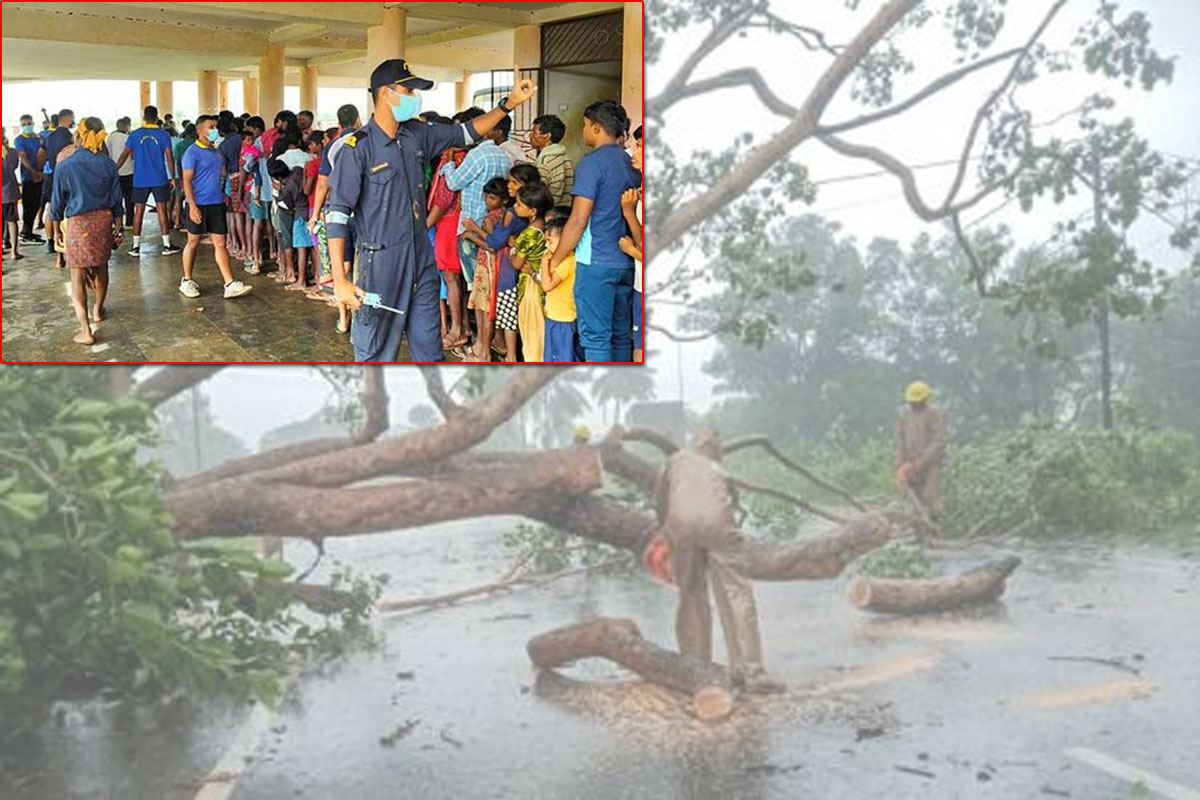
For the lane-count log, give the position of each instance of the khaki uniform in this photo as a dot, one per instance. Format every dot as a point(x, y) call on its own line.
point(921, 440)
point(696, 516)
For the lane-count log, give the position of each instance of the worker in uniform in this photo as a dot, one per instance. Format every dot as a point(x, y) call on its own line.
point(921, 447)
point(697, 540)
point(378, 178)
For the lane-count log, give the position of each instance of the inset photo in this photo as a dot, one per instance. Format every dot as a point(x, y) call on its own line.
point(303, 183)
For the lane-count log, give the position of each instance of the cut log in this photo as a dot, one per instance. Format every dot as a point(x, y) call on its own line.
point(620, 641)
point(896, 596)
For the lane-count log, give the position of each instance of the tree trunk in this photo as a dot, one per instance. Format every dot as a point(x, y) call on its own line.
point(620, 641)
point(980, 585)
point(818, 558)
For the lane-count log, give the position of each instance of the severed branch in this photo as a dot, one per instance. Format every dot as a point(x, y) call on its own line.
point(437, 391)
point(765, 443)
point(170, 381)
point(374, 398)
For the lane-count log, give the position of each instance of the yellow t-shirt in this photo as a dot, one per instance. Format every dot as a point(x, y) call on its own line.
point(560, 301)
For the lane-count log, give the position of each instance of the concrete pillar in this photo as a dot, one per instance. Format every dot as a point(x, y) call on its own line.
point(631, 65)
point(270, 83)
point(250, 92)
point(527, 47)
point(462, 93)
point(223, 95)
point(164, 97)
point(385, 41)
point(143, 96)
point(209, 90)
point(308, 89)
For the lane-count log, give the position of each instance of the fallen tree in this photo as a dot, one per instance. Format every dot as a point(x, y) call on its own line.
point(926, 595)
point(709, 685)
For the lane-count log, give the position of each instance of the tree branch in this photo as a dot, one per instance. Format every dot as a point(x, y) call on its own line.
point(983, 110)
point(716, 37)
point(278, 509)
point(765, 443)
point(170, 381)
point(374, 399)
point(791, 498)
point(947, 80)
point(747, 76)
point(437, 391)
point(804, 124)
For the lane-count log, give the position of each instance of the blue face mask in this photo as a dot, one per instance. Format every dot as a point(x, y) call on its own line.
point(408, 107)
point(26, 129)
point(213, 135)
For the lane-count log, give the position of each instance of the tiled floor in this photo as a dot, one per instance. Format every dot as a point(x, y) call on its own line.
point(149, 320)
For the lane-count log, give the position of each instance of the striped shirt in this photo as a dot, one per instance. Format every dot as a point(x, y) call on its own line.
point(558, 173)
point(484, 162)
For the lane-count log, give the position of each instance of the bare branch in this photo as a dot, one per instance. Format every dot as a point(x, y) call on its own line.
point(747, 76)
point(983, 110)
point(374, 400)
point(791, 498)
point(646, 435)
point(977, 269)
point(803, 125)
point(947, 80)
point(765, 443)
point(720, 34)
point(170, 381)
point(437, 391)
point(683, 338)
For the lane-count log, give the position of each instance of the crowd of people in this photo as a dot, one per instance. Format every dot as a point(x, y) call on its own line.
point(459, 238)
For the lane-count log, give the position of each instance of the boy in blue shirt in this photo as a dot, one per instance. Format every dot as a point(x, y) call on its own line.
point(153, 174)
point(604, 274)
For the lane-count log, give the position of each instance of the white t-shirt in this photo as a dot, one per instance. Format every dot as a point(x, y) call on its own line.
point(296, 158)
point(116, 145)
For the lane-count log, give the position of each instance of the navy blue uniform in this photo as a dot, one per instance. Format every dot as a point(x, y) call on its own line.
point(380, 180)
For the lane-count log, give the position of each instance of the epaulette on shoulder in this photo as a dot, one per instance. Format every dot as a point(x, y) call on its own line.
point(352, 139)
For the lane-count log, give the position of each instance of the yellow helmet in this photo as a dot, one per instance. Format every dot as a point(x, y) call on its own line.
point(917, 392)
point(582, 434)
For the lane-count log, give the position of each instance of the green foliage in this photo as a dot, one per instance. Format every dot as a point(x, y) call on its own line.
point(549, 550)
point(95, 593)
point(895, 560)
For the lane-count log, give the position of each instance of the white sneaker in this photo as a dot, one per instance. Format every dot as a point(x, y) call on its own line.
point(237, 289)
point(189, 288)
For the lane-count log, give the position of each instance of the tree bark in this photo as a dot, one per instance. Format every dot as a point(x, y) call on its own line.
point(814, 559)
point(620, 641)
point(518, 486)
point(891, 596)
point(170, 381)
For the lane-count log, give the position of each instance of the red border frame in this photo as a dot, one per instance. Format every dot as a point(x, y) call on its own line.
point(306, 363)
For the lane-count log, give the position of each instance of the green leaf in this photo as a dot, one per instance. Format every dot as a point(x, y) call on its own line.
point(27, 506)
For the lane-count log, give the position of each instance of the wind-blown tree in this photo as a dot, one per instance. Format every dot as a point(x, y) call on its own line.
point(725, 203)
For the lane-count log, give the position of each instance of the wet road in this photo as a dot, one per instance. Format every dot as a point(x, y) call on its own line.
point(976, 705)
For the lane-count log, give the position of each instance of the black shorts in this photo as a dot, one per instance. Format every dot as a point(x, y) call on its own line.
point(212, 220)
point(162, 194)
point(10, 212)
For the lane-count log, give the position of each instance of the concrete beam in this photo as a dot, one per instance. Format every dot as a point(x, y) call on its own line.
point(58, 26)
point(574, 11)
point(296, 31)
point(330, 43)
point(336, 58)
point(468, 13)
point(453, 34)
point(342, 13)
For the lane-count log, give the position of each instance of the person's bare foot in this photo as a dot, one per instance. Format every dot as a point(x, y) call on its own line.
point(98, 314)
point(84, 338)
point(295, 287)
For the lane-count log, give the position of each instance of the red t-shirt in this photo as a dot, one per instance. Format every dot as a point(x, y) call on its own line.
point(311, 170)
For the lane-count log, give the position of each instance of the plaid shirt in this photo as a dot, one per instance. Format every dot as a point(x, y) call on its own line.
point(484, 162)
